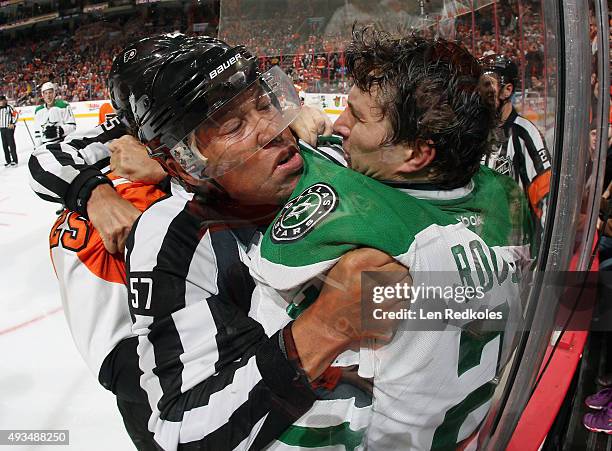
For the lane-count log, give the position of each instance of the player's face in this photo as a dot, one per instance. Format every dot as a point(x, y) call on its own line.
point(48, 96)
point(364, 129)
point(246, 154)
point(488, 86)
point(592, 141)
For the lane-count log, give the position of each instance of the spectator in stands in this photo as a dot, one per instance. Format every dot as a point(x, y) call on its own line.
point(80, 59)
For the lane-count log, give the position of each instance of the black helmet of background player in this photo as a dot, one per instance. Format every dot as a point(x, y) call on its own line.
point(505, 72)
point(139, 60)
point(504, 68)
point(194, 86)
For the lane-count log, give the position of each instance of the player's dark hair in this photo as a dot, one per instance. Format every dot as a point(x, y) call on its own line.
point(429, 90)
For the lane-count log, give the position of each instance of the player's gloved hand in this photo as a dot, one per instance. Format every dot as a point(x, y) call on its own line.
point(333, 323)
point(311, 123)
point(60, 132)
point(112, 216)
point(130, 159)
point(51, 131)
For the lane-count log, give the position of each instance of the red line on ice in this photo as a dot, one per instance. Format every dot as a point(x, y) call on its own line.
point(30, 321)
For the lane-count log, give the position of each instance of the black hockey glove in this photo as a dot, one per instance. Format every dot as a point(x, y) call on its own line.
point(51, 131)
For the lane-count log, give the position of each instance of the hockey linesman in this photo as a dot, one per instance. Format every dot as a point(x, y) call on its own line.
point(116, 367)
point(91, 278)
point(53, 119)
point(518, 148)
point(8, 121)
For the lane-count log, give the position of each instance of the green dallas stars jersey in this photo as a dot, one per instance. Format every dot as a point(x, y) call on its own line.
point(432, 387)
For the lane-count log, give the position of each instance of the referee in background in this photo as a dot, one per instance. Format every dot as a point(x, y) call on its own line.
point(8, 120)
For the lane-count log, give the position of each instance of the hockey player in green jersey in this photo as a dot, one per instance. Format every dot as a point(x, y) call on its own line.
point(54, 118)
point(414, 133)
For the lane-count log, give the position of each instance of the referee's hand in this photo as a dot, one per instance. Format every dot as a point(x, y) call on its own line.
point(129, 159)
point(112, 216)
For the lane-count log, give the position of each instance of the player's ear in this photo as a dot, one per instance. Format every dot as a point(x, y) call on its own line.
point(417, 156)
point(506, 91)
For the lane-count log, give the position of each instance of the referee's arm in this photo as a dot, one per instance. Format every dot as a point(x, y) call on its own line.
point(60, 171)
point(14, 116)
point(537, 167)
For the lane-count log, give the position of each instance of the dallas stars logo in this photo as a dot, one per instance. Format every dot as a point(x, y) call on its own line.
point(301, 214)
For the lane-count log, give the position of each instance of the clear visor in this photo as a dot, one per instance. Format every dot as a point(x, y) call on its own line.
point(240, 128)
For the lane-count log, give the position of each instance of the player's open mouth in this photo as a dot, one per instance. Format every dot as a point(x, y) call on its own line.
point(290, 160)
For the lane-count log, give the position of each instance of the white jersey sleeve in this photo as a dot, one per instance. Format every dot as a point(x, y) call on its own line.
point(69, 125)
point(40, 117)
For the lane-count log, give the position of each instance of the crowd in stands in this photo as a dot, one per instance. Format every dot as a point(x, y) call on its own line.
point(78, 60)
point(24, 11)
point(311, 51)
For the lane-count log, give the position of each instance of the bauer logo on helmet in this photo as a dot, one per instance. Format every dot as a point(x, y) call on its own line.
point(224, 66)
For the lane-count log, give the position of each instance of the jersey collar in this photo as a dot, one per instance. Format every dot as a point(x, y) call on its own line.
point(429, 191)
point(510, 121)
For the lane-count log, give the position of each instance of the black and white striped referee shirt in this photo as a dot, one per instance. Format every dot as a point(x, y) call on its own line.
point(214, 379)
point(8, 116)
point(523, 155)
point(58, 171)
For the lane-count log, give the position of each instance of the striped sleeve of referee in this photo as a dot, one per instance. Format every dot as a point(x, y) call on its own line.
point(14, 115)
point(58, 171)
point(213, 378)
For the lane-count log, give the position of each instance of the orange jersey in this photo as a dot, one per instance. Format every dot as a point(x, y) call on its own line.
point(92, 281)
point(106, 112)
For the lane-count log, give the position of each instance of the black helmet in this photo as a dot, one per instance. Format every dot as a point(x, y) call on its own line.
point(183, 84)
point(504, 67)
point(191, 83)
point(137, 62)
point(187, 84)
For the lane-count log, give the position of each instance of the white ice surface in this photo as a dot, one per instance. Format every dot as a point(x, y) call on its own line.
point(44, 384)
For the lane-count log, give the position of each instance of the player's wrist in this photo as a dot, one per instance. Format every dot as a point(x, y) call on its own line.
point(317, 343)
point(94, 192)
